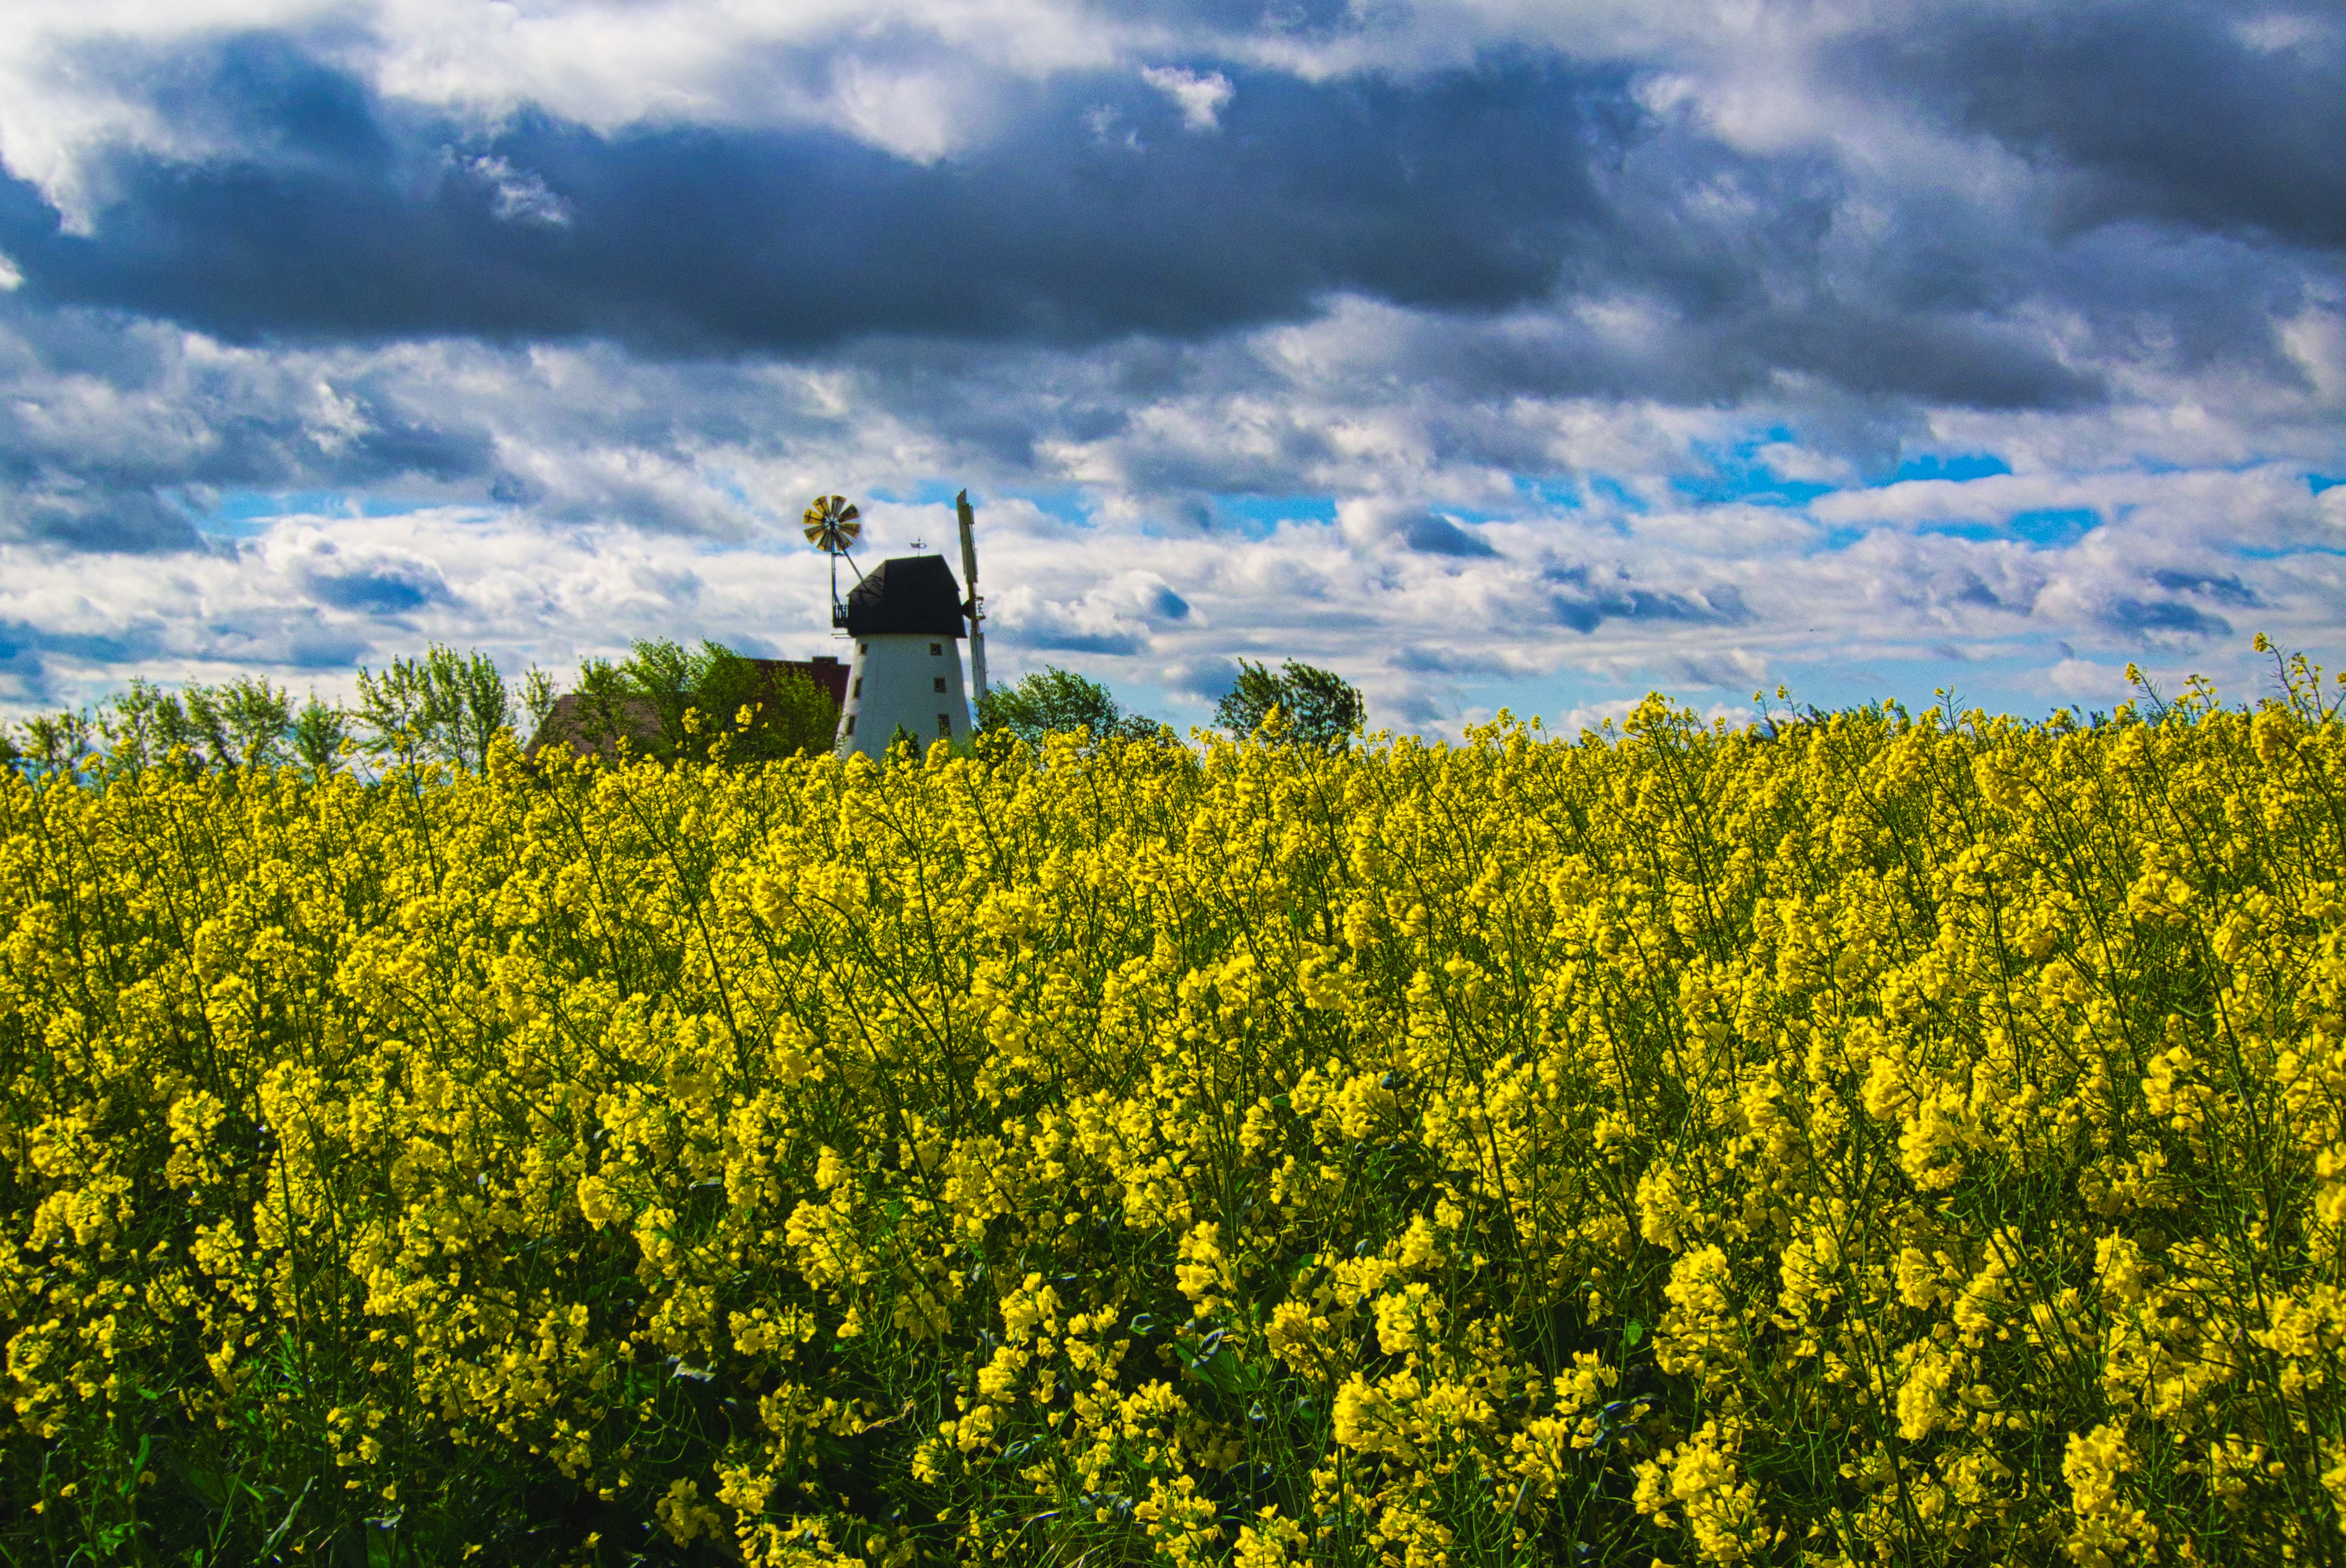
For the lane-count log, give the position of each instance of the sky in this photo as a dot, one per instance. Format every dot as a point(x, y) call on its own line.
point(1493, 353)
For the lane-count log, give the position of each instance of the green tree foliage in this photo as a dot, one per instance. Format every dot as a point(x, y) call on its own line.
point(243, 723)
point(145, 725)
point(1055, 700)
point(56, 741)
point(538, 696)
point(319, 731)
point(705, 704)
point(446, 707)
point(1321, 708)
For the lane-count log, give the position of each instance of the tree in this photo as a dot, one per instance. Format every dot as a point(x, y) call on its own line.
point(446, 707)
point(1322, 709)
point(538, 696)
point(392, 712)
point(242, 724)
point(57, 741)
point(703, 704)
point(1055, 700)
point(143, 725)
point(768, 714)
point(466, 704)
point(318, 733)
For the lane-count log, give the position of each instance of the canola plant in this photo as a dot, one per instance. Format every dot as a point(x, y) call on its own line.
point(1879, 1138)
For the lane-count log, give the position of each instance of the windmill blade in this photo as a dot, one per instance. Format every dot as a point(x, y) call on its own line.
point(968, 520)
point(830, 525)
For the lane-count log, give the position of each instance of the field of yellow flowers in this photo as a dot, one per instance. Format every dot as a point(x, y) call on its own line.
point(1883, 1138)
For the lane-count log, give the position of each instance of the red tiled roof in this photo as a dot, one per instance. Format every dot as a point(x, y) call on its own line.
point(826, 672)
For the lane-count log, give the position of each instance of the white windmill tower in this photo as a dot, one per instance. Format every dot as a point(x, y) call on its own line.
point(907, 616)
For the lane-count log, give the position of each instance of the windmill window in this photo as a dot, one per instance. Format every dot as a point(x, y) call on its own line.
point(945, 724)
point(862, 648)
point(936, 650)
point(859, 687)
point(851, 724)
point(940, 683)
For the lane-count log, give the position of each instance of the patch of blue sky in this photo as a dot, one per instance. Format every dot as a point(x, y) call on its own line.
point(1180, 709)
point(1568, 495)
point(2322, 482)
point(1063, 502)
point(1960, 466)
point(1480, 513)
point(2045, 528)
point(926, 493)
point(1259, 515)
point(1840, 537)
point(1738, 473)
point(1620, 495)
point(2052, 528)
point(247, 514)
point(2285, 552)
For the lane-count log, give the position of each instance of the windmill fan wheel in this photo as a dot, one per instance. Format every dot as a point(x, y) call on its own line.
point(831, 525)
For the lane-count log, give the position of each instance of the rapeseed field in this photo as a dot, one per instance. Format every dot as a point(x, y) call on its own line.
point(1874, 1138)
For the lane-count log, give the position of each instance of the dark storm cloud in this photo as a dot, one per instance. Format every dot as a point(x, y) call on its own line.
point(388, 589)
point(2227, 589)
point(19, 641)
point(26, 651)
point(2217, 117)
point(1096, 216)
point(1586, 597)
point(1119, 643)
point(1435, 536)
point(2167, 615)
point(118, 474)
point(1546, 237)
point(40, 503)
point(1522, 183)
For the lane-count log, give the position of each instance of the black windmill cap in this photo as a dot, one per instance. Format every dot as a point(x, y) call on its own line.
point(910, 594)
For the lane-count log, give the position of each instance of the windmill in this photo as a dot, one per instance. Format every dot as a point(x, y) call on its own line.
point(832, 525)
point(904, 614)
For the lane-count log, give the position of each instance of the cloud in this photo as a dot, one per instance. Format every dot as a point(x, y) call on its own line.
point(43, 506)
point(1201, 97)
point(1513, 356)
point(1371, 522)
point(1583, 597)
point(2227, 589)
point(378, 583)
point(521, 197)
point(2195, 115)
point(2164, 615)
point(1462, 191)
